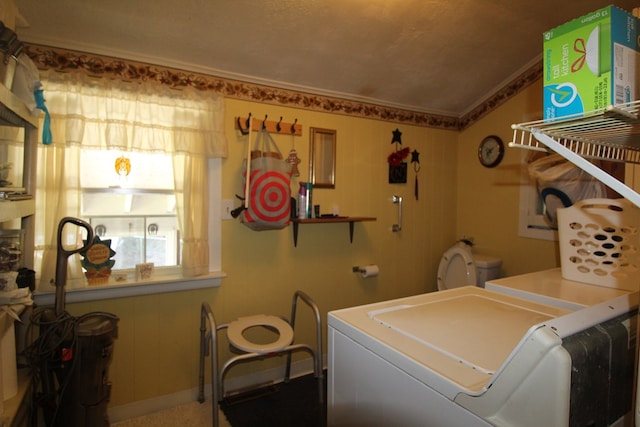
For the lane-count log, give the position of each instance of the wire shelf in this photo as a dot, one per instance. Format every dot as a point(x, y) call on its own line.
point(609, 134)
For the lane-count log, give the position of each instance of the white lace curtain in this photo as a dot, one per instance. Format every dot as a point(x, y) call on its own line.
point(103, 113)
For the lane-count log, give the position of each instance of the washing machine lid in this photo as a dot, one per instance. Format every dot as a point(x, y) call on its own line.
point(455, 340)
point(456, 268)
point(549, 287)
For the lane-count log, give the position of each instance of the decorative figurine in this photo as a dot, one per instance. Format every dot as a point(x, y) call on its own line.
point(97, 261)
point(123, 166)
point(293, 160)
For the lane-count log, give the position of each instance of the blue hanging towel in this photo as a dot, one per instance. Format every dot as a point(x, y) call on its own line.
point(38, 93)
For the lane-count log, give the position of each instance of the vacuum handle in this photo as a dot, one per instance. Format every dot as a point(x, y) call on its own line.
point(64, 254)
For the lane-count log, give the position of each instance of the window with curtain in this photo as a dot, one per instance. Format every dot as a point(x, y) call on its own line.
point(129, 200)
point(133, 160)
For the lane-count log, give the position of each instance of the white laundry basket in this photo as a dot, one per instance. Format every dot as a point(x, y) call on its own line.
point(599, 243)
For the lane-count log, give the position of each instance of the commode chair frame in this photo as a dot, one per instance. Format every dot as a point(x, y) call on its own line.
point(209, 346)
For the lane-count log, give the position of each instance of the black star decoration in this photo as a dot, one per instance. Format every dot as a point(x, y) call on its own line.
point(415, 156)
point(397, 137)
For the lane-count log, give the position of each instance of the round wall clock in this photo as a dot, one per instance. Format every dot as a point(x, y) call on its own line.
point(491, 151)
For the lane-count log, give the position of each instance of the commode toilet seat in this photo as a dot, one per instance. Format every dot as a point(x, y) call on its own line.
point(238, 340)
point(234, 332)
point(456, 268)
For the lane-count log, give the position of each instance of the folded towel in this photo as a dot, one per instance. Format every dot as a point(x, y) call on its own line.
point(16, 296)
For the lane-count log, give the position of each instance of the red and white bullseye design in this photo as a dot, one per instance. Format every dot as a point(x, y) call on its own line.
point(269, 197)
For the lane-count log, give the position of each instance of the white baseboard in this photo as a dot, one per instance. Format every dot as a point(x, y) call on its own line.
point(149, 406)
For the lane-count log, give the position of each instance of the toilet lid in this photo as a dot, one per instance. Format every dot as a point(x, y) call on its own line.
point(238, 340)
point(456, 269)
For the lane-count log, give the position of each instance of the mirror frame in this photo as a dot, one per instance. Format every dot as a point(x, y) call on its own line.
point(322, 158)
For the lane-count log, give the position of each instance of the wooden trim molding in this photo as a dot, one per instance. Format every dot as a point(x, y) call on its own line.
point(65, 60)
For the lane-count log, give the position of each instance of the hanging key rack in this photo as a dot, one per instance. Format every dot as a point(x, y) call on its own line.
point(271, 126)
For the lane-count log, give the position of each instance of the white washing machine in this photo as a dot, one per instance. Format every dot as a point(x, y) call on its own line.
point(508, 355)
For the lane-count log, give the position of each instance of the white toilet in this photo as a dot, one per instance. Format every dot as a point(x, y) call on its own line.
point(459, 267)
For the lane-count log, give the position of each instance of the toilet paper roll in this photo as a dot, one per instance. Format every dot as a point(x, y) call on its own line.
point(369, 271)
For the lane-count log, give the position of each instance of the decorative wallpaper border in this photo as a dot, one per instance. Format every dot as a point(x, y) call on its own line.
point(67, 60)
point(528, 77)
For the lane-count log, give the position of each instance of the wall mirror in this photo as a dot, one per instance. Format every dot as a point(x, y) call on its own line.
point(322, 158)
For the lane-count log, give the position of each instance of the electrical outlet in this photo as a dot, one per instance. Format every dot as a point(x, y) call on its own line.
point(227, 207)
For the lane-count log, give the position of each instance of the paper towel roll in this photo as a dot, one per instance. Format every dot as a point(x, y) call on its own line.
point(369, 271)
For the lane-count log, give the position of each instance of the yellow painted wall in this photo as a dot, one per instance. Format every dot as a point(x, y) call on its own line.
point(488, 198)
point(157, 351)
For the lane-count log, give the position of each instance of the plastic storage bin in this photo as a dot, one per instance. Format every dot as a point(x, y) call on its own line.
point(11, 244)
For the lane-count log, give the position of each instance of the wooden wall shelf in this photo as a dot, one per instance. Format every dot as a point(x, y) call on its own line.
point(328, 220)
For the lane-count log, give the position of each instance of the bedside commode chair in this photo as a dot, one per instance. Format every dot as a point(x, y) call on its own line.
point(248, 350)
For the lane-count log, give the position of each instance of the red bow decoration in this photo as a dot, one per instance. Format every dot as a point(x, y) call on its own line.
point(397, 157)
point(579, 47)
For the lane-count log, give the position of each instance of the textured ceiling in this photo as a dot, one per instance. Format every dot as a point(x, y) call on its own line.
point(437, 56)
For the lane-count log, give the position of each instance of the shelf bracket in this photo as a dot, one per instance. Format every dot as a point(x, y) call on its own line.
point(332, 220)
point(295, 234)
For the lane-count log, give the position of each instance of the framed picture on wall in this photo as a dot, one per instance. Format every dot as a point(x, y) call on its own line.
point(398, 173)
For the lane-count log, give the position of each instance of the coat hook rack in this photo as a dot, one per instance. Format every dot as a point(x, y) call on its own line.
point(244, 131)
point(271, 126)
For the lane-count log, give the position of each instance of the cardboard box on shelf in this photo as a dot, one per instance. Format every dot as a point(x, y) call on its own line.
point(591, 62)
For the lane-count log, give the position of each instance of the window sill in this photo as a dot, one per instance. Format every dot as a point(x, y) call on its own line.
point(159, 285)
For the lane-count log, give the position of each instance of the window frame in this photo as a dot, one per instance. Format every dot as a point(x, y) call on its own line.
point(168, 281)
point(531, 224)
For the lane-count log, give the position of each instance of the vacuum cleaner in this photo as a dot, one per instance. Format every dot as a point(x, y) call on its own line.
point(70, 357)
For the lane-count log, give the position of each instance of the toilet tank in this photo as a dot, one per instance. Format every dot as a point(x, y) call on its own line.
point(487, 268)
